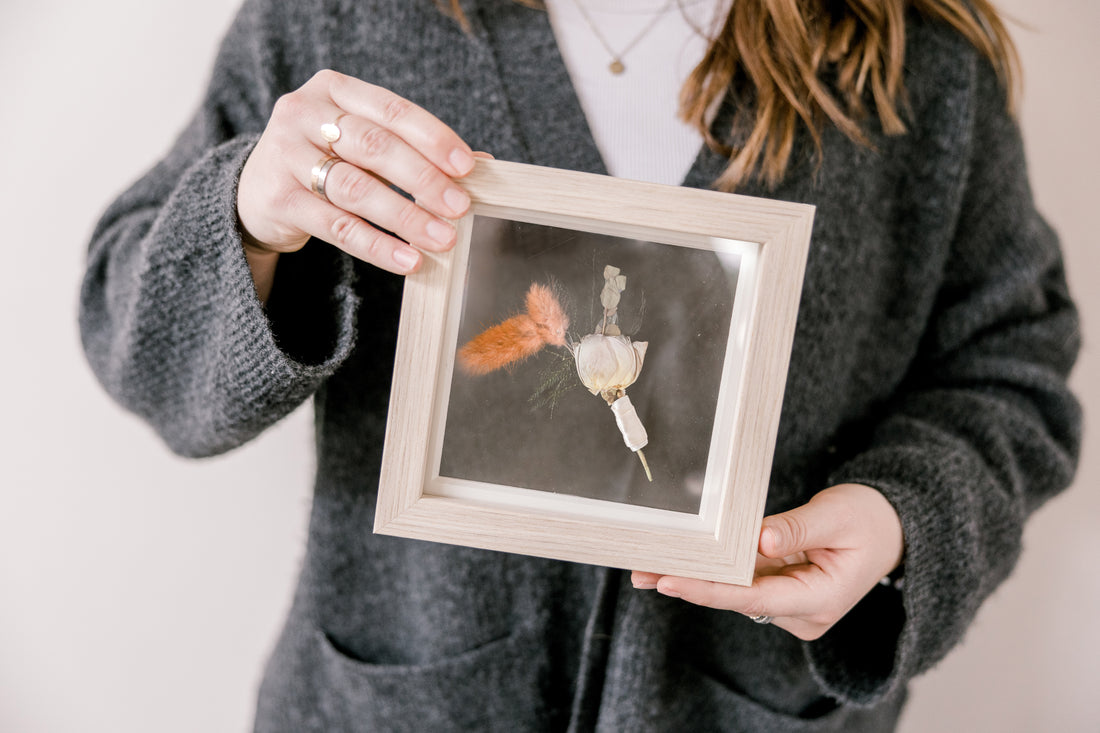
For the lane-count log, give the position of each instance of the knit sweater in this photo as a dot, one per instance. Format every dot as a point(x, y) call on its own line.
point(934, 336)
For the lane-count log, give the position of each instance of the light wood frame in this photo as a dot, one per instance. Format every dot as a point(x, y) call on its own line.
point(720, 543)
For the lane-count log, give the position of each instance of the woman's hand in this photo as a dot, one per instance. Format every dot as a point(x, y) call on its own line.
point(816, 562)
point(383, 138)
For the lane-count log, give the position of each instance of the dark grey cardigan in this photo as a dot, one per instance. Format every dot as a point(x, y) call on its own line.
point(933, 341)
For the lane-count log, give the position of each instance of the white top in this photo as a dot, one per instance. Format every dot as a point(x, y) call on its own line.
point(632, 115)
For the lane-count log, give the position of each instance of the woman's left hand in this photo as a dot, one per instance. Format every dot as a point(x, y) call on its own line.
point(816, 562)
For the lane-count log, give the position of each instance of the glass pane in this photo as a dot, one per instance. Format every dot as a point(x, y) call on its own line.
point(533, 423)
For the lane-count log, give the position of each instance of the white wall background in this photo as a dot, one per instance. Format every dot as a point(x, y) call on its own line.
point(139, 592)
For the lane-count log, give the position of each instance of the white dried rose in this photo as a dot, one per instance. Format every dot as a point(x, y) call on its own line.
point(609, 364)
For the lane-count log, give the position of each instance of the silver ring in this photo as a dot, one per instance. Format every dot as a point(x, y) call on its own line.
point(319, 174)
point(761, 619)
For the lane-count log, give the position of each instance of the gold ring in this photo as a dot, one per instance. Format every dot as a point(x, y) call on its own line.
point(330, 132)
point(319, 174)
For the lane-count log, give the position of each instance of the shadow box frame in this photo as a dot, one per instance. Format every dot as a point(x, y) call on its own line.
point(720, 542)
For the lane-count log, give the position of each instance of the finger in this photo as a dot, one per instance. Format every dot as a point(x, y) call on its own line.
point(820, 523)
point(764, 602)
point(774, 565)
point(418, 127)
point(375, 149)
point(796, 592)
point(644, 581)
point(362, 194)
point(382, 133)
point(358, 192)
point(352, 234)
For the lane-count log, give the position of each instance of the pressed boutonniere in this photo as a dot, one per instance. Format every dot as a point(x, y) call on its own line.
point(606, 360)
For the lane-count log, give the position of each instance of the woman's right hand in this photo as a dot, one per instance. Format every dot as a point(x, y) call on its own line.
point(383, 138)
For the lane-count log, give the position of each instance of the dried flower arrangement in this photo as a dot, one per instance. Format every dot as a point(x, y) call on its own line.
point(607, 362)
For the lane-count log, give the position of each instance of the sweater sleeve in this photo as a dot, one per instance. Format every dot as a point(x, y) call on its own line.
point(169, 316)
point(981, 433)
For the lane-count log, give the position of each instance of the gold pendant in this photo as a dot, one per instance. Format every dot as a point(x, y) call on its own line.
point(617, 67)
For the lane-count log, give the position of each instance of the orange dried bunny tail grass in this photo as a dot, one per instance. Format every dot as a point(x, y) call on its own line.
point(518, 337)
point(501, 345)
point(546, 311)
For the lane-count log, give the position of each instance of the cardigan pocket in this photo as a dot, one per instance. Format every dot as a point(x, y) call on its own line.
point(713, 705)
point(494, 687)
point(750, 714)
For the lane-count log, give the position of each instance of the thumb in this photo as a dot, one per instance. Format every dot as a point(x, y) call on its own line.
point(811, 526)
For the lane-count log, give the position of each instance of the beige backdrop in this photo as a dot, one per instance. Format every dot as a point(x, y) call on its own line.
point(140, 592)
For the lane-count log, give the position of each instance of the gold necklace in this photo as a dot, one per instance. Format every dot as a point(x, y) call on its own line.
point(616, 66)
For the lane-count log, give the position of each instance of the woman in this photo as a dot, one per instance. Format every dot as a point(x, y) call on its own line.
point(925, 416)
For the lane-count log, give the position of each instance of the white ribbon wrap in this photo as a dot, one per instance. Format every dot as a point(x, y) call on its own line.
point(630, 425)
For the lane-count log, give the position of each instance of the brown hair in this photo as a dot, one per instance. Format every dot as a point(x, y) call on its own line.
point(783, 50)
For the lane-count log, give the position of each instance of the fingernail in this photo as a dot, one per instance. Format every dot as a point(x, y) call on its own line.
point(457, 201)
point(670, 592)
point(406, 257)
point(461, 160)
point(642, 585)
point(441, 233)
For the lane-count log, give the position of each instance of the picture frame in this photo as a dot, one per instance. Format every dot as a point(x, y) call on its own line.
point(513, 460)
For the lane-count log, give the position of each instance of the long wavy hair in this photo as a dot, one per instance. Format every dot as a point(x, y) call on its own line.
point(810, 63)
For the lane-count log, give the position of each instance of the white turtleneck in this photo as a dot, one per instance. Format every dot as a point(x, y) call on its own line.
point(632, 115)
